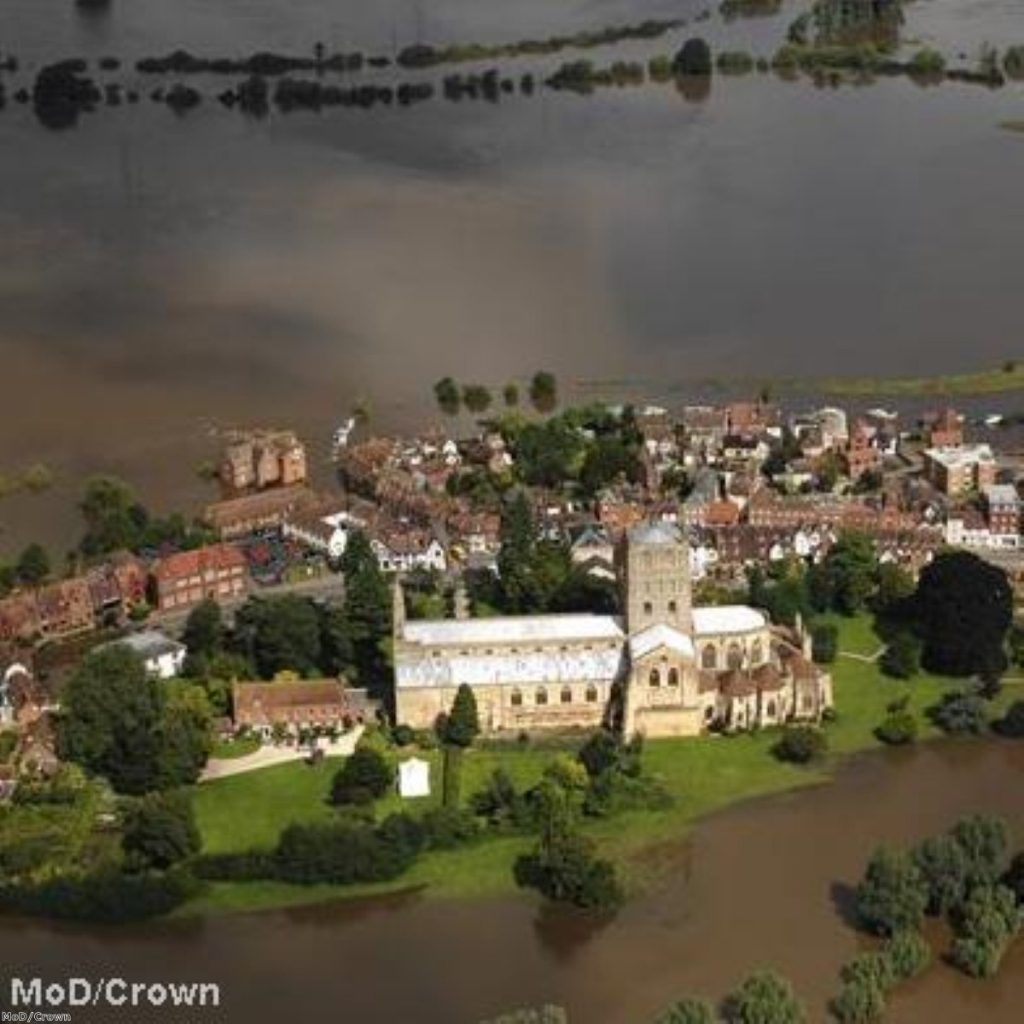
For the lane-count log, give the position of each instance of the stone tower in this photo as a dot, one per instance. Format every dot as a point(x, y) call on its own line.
point(655, 574)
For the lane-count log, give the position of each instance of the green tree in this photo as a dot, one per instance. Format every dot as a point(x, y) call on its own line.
point(204, 629)
point(545, 1015)
point(510, 395)
point(111, 714)
point(160, 830)
point(114, 518)
point(764, 998)
point(1012, 723)
point(448, 396)
point(544, 392)
point(852, 567)
point(893, 895)
point(476, 398)
point(959, 712)
point(825, 643)
point(516, 555)
point(989, 919)
point(898, 728)
point(901, 657)
point(860, 1001)
point(985, 841)
point(279, 634)
point(365, 776)
point(895, 588)
point(367, 612)
point(33, 565)
point(462, 724)
point(908, 954)
point(186, 734)
point(963, 607)
point(451, 777)
point(801, 744)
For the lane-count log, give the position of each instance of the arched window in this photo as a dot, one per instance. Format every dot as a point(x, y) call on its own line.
point(734, 658)
point(757, 652)
point(648, 608)
point(673, 677)
point(672, 607)
point(541, 696)
point(591, 694)
point(709, 657)
point(771, 709)
point(517, 698)
point(566, 695)
point(655, 677)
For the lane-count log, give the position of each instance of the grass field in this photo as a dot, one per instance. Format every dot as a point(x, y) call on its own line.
point(703, 774)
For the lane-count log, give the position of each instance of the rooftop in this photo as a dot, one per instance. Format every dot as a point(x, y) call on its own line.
point(513, 629)
point(960, 455)
point(715, 620)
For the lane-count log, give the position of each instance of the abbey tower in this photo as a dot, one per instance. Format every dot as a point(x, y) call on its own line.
point(655, 576)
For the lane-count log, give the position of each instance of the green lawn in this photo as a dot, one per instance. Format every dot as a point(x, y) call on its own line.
point(703, 774)
point(227, 750)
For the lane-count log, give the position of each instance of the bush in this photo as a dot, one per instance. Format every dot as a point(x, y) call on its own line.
point(764, 998)
point(987, 922)
point(365, 776)
point(249, 866)
point(444, 828)
point(801, 744)
point(959, 712)
point(871, 969)
point(545, 1015)
point(897, 728)
point(687, 1011)
point(403, 735)
point(901, 658)
point(860, 1001)
point(825, 643)
point(160, 830)
point(893, 895)
point(908, 955)
point(693, 59)
point(1012, 723)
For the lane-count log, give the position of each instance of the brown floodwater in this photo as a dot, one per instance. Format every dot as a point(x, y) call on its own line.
point(162, 277)
point(766, 884)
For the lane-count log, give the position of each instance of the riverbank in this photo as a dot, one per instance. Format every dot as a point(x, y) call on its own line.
point(704, 775)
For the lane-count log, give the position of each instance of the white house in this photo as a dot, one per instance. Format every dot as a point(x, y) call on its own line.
point(162, 656)
point(413, 778)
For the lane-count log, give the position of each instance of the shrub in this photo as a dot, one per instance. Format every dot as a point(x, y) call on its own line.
point(801, 744)
point(908, 955)
point(860, 1001)
point(959, 712)
point(444, 828)
point(927, 63)
point(764, 998)
point(897, 728)
point(694, 58)
point(1012, 723)
point(869, 968)
point(545, 1015)
point(160, 830)
point(403, 735)
point(987, 922)
point(901, 658)
point(687, 1011)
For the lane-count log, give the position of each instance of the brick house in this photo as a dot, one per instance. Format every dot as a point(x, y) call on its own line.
point(302, 704)
point(186, 578)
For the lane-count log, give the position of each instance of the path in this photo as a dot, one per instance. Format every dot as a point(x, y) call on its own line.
point(268, 756)
point(868, 659)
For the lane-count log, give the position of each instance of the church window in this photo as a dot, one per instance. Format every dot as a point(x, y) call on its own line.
point(672, 607)
point(771, 709)
point(648, 608)
point(734, 657)
point(517, 698)
point(591, 694)
point(709, 657)
point(757, 653)
point(655, 677)
point(805, 702)
point(566, 695)
point(709, 713)
point(673, 677)
point(542, 696)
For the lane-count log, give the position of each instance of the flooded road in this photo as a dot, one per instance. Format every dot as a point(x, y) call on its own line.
point(162, 276)
point(762, 885)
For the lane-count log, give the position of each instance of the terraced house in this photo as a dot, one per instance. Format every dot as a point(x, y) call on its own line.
point(665, 668)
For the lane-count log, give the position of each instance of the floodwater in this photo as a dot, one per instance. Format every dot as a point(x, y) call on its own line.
point(163, 277)
point(766, 884)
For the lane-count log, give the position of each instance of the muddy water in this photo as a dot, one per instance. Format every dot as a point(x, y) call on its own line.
point(163, 276)
point(766, 884)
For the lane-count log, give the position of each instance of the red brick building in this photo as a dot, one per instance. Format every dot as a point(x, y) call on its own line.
point(185, 579)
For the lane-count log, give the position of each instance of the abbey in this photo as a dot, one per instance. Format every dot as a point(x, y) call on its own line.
point(664, 669)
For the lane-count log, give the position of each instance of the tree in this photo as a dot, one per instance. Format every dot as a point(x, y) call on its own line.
point(365, 776)
point(852, 566)
point(448, 397)
point(111, 715)
point(901, 657)
point(943, 864)
point(894, 590)
point(367, 612)
point(860, 1001)
point(510, 395)
point(959, 712)
point(908, 954)
point(33, 565)
point(544, 392)
point(963, 608)
point(114, 519)
point(764, 998)
point(1014, 877)
point(607, 459)
point(462, 724)
point(516, 554)
point(186, 734)
point(985, 842)
point(825, 643)
point(545, 1015)
point(204, 629)
point(898, 728)
point(687, 1011)
point(279, 634)
point(476, 398)
point(989, 919)
point(160, 830)
point(801, 744)
point(694, 58)
point(894, 894)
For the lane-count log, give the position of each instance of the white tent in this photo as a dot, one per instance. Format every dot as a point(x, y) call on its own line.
point(414, 778)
